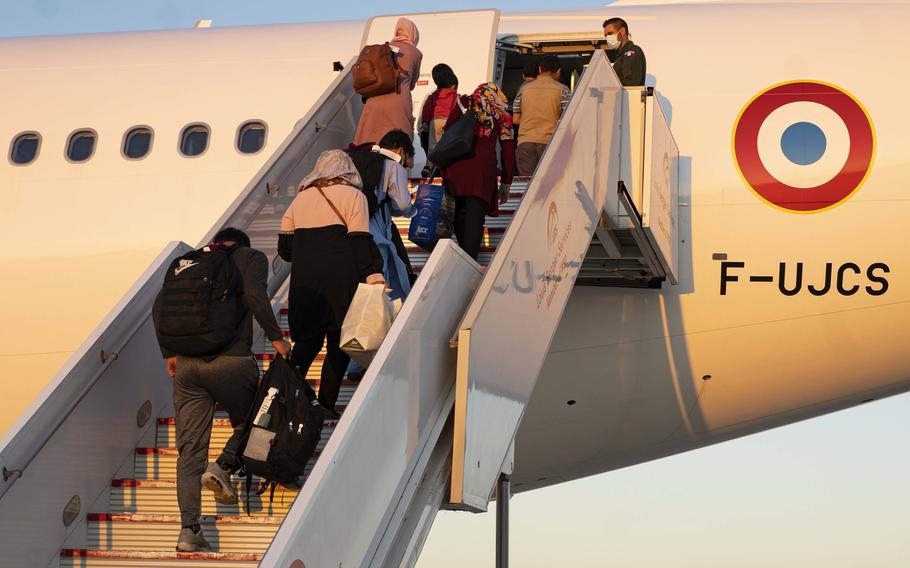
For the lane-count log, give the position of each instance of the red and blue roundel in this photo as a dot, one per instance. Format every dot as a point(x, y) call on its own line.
point(804, 146)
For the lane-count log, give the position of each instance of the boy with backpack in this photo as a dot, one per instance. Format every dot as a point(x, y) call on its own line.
point(204, 322)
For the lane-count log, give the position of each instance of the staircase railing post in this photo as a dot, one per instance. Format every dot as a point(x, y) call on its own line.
point(503, 493)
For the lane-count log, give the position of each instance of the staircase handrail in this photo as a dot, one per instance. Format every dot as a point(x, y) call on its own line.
point(275, 184)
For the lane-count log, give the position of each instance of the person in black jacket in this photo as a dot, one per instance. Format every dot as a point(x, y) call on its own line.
point(229, 378)
point(627, 58)
point(325, 235)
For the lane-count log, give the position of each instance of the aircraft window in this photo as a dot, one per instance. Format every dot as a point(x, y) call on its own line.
point(251, 137)
point(137, 143)
point(25, 148)
point(81, 145)
point(194, 140)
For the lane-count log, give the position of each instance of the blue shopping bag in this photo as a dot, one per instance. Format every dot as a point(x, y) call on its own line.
point(435, 216)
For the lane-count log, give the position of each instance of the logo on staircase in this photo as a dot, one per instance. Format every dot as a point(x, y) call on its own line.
point(804, 146)
point(558, 268)
point(552, 224)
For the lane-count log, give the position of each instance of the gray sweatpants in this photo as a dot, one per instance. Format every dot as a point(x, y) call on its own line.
point(228, 380)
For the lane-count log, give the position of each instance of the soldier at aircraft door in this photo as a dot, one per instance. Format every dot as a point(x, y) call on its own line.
point(627, 58)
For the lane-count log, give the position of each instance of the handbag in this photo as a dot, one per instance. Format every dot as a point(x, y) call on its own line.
point(434, 218)
point(457, 142)
point(367, 322)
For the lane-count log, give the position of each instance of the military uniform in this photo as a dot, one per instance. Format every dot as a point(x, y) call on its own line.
point(629, 64)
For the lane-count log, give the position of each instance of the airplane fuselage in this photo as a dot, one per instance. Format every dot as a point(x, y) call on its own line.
point(782, 311)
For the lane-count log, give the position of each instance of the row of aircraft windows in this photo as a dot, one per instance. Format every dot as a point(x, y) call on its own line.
point(137, 142)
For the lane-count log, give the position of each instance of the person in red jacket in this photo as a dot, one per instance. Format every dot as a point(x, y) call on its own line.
point(436, 109)
point(473, 180)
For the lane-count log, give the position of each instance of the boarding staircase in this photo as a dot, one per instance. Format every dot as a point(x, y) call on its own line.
point(142, 521)
point(90, 467)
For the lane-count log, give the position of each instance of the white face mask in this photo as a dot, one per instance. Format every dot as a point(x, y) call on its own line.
point(613, 41)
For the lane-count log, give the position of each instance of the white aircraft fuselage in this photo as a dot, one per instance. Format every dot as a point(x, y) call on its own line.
point(780, 314)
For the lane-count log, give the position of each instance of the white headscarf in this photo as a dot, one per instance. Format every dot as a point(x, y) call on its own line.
point(406, 32)
point(333, 164)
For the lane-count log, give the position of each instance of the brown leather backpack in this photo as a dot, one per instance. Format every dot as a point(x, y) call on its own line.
point(376, 71)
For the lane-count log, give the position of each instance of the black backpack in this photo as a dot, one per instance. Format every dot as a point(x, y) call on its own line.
point(200, 306)
point(282, 429)
point(369, 165)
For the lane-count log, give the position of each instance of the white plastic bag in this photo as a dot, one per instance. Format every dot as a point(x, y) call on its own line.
point(367, 322)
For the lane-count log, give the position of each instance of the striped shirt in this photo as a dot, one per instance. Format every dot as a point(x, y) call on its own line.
point(540, 102)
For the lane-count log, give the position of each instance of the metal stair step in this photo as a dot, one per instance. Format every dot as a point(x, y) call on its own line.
point(314, 372)
point(82, 558)
point(506, 212)
point(485, 257)
point(313, 375)
point(159, 532)
point(166, 436)
point(490, 239)
point(488, 231)
point(157, 463)
point(492, 236)
point(159, 497)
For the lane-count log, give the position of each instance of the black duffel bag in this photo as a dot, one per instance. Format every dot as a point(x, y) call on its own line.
point(456, 143)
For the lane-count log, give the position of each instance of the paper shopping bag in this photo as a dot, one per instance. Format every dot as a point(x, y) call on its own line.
point(367, 322)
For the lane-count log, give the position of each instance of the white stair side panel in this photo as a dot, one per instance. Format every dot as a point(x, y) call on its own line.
point(369, 462)
point(525, 289)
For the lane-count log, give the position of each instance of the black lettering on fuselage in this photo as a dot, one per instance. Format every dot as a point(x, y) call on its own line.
point(829, 270)
point(848, 279)
point(840, 279)
point(726, 277)
point(880, 280)
point(782, 280)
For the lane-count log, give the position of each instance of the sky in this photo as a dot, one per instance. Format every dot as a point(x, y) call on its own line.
point(831, 492)
point(41, 17)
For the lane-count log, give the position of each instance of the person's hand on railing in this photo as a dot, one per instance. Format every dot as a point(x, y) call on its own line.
point(282, 347)
point(172, 367)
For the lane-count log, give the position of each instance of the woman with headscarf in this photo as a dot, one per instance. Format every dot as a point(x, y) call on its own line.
point(325, 236)
point(394, 111)
point(472, 180)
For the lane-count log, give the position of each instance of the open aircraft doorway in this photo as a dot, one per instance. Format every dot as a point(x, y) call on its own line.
point(513, 52)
